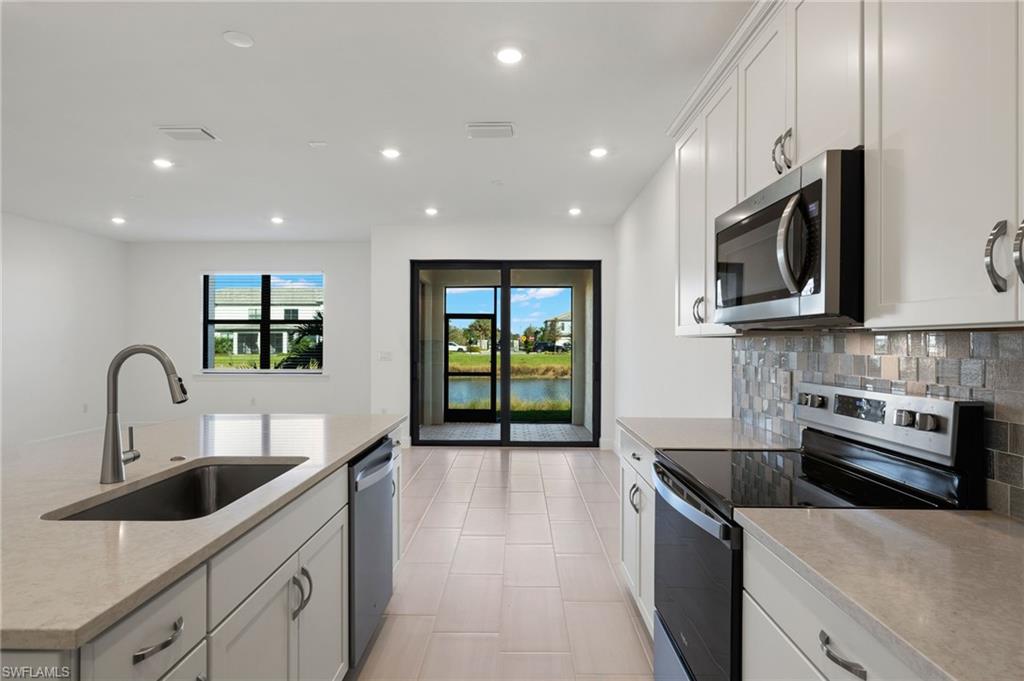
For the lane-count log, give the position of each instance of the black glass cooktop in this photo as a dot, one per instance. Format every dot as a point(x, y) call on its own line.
point(827, 472)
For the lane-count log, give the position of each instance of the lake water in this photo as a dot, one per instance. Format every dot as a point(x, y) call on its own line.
point(466, 389)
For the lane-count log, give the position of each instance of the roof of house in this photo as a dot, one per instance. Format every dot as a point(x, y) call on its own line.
point(564, 317)
point(299, 295)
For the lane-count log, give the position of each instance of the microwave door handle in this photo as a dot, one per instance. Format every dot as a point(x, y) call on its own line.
point(717, 529)
point(781, 244)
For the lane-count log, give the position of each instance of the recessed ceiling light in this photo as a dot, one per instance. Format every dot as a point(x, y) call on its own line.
point(598, 152)
point(509, 55)
point(117, 220)
point(390, 153)
point(431, 211)
point(163, 163)
point(317, 144)
point(238, 39)
point(574, 211)
point(277, 220)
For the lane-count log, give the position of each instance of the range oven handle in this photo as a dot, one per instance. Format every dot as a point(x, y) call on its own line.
point(782, 244)
point(716, 528)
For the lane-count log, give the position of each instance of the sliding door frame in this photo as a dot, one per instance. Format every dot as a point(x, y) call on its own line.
point(505, 385)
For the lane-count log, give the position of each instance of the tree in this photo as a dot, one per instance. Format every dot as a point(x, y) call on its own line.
point(456, 335)
point(478, 330)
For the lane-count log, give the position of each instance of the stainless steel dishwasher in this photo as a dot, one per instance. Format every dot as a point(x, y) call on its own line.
point(370, 487)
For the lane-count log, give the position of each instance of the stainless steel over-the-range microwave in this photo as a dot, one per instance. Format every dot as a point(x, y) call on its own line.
point(793, 253)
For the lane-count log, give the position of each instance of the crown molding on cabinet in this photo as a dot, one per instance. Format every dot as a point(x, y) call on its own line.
point(727, 58)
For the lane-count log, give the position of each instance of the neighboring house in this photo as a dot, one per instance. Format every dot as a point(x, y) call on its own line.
point(287, 303)
point(563, 325)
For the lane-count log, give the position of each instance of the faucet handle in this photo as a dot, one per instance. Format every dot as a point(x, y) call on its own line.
point(131, 454)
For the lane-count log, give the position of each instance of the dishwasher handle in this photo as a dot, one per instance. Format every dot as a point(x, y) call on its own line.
point(371, 477)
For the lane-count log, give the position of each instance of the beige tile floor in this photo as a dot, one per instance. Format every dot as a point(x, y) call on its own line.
point(509, 571)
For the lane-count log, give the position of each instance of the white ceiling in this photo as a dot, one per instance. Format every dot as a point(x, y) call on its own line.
point(86, 85)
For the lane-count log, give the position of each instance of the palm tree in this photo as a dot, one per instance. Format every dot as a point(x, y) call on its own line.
point(306, 350)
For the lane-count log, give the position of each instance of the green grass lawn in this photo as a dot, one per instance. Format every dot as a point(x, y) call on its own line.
point(532, 365)
point(243, 361)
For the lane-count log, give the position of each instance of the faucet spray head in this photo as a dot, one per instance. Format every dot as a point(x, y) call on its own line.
point(178, 392)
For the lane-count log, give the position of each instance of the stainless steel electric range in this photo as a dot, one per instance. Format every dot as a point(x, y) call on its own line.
point(859, 449)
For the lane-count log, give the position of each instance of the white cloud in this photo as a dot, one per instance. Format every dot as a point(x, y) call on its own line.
point(536, 294)
point(456, 291)
point(290, 283)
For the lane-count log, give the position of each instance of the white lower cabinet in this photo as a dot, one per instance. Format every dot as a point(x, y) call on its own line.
point(767, 654)
point(228, 621)
point(259, 640)
point(836, 646)
point(323, 634)
point(637, 538)
point(630, 522)
point(645, 500)
point(191, 668)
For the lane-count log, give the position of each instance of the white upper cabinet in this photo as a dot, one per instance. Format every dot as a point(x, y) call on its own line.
point(691, 256)
point(764, 120)
point(720, 120)
point(825, 77)
point(941, 163)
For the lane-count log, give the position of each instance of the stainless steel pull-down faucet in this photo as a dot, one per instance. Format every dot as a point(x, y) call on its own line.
point(112, 469)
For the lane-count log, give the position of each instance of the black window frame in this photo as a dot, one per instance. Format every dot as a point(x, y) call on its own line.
point(263, 324)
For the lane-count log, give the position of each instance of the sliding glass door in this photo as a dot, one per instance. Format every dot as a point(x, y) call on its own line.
point(505, 353)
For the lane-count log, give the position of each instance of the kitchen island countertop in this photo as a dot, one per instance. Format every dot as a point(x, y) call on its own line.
point(64, 582)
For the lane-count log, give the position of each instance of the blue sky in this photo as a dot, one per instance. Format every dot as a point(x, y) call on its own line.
point(529, 305)
point(253, 280)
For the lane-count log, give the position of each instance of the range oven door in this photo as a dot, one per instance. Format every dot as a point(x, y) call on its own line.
point(768, 253)
point(697, 584)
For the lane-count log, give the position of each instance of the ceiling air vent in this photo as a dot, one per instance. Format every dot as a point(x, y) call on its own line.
point(490, 131)
point(188, 134)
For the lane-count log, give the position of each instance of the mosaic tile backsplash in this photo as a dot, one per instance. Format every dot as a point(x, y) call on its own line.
point(982, 365)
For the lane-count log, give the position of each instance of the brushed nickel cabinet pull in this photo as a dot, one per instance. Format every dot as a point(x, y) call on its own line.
point(999, 282)
point(852, 667)
point(144, 653)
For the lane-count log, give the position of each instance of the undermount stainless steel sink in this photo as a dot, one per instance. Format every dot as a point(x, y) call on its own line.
point(192, 493)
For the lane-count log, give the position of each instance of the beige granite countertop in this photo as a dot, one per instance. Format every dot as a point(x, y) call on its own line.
point(944, 590)
point(694, 433)
point(62, 583)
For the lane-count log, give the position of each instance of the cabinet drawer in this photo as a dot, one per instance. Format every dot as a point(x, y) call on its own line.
point(192, 668)
point(803, 612)
point(768, 655)
point(110, 655)
point(236, 571)
point(639, 455)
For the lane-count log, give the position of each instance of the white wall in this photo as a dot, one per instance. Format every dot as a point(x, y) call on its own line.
point(657, 373)
point(392, 249)
point(64, 297)
point(165, 308)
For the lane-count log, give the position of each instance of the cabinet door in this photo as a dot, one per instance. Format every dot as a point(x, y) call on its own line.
point(720, 120)
point(940, 167)
point(768, 655)
point(630, 521)
point(826, 76)
point(259, 640)
point(762, 75)
point(645, 500)
point(691, 257)
point(323, 622)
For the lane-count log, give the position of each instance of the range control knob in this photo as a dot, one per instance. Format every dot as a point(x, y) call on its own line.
point(905, 418)
point(811, 400)
point(926, 422)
